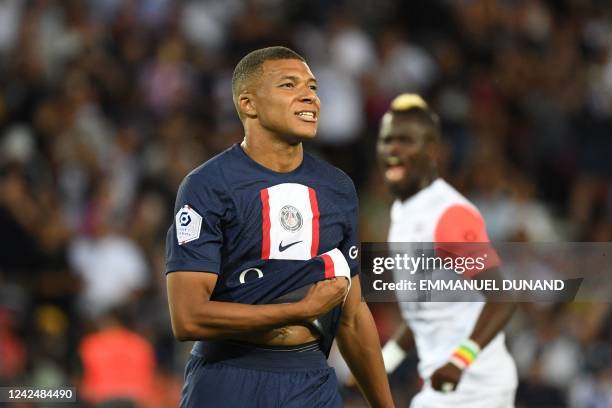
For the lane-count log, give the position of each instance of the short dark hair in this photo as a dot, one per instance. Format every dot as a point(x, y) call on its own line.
point(251, 65)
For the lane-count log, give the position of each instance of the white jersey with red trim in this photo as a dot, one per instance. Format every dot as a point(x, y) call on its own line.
point(439, 213)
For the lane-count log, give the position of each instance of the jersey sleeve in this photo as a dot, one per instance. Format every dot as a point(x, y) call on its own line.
point(461, 234)
point(194, 241)
point(350, 244)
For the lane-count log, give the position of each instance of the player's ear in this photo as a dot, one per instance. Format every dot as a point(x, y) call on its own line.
point(246, 104)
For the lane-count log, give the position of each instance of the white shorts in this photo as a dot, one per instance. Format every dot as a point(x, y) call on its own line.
point(490, 382)
point(430, 398)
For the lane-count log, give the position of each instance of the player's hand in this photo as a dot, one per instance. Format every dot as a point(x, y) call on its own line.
point(323, 296)
point(446, 378)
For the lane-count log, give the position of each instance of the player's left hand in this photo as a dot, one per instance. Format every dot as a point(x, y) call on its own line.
point(446, 378)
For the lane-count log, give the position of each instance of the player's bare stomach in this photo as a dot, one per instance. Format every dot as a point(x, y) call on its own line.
point(292, 335)
point(283, 336)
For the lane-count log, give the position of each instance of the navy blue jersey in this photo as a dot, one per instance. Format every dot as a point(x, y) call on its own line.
point(264, 233)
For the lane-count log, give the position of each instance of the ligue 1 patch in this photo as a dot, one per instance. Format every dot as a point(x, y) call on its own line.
point(290, 218)
point(188, 225)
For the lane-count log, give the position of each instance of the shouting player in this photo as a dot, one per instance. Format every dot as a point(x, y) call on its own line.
point(462, 356)
point(261, 262)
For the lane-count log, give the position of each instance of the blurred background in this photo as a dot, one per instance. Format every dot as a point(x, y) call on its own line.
point(105, 105)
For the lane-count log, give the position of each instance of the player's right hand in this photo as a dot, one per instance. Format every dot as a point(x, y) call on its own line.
point(447, 376)
point(323, 296)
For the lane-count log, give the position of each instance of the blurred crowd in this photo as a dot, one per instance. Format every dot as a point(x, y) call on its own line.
point(105, 105)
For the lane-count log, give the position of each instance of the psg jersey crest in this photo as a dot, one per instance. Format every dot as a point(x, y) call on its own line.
point(290, 218)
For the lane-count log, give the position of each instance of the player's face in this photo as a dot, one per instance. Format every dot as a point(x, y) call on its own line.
point(404, 154)
point(286, 100)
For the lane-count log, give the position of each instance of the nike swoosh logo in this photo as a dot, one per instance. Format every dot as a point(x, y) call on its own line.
point(281, 248)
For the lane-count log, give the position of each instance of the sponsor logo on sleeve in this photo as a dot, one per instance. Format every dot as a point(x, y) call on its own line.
point(188, 225)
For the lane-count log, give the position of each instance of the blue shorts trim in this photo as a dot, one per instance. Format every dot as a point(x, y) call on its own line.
point(259, 358)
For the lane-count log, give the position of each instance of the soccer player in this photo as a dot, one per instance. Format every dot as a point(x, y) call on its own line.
point(462, 356)
point(262, 259)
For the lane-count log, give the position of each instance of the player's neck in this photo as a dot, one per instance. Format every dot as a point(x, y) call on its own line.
point(417, 187)
point(274, 154)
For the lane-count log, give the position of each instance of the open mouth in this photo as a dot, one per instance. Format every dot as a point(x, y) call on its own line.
point(307, 116)
point(395, 169)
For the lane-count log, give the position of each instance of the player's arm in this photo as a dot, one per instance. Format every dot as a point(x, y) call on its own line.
point(398, 347)
point(454, 226)
point(492, 319)
point(195, 317)
point(358, 342)
point(494, 315)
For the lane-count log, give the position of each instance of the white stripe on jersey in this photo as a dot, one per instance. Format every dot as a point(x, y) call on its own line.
point(291, 222)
